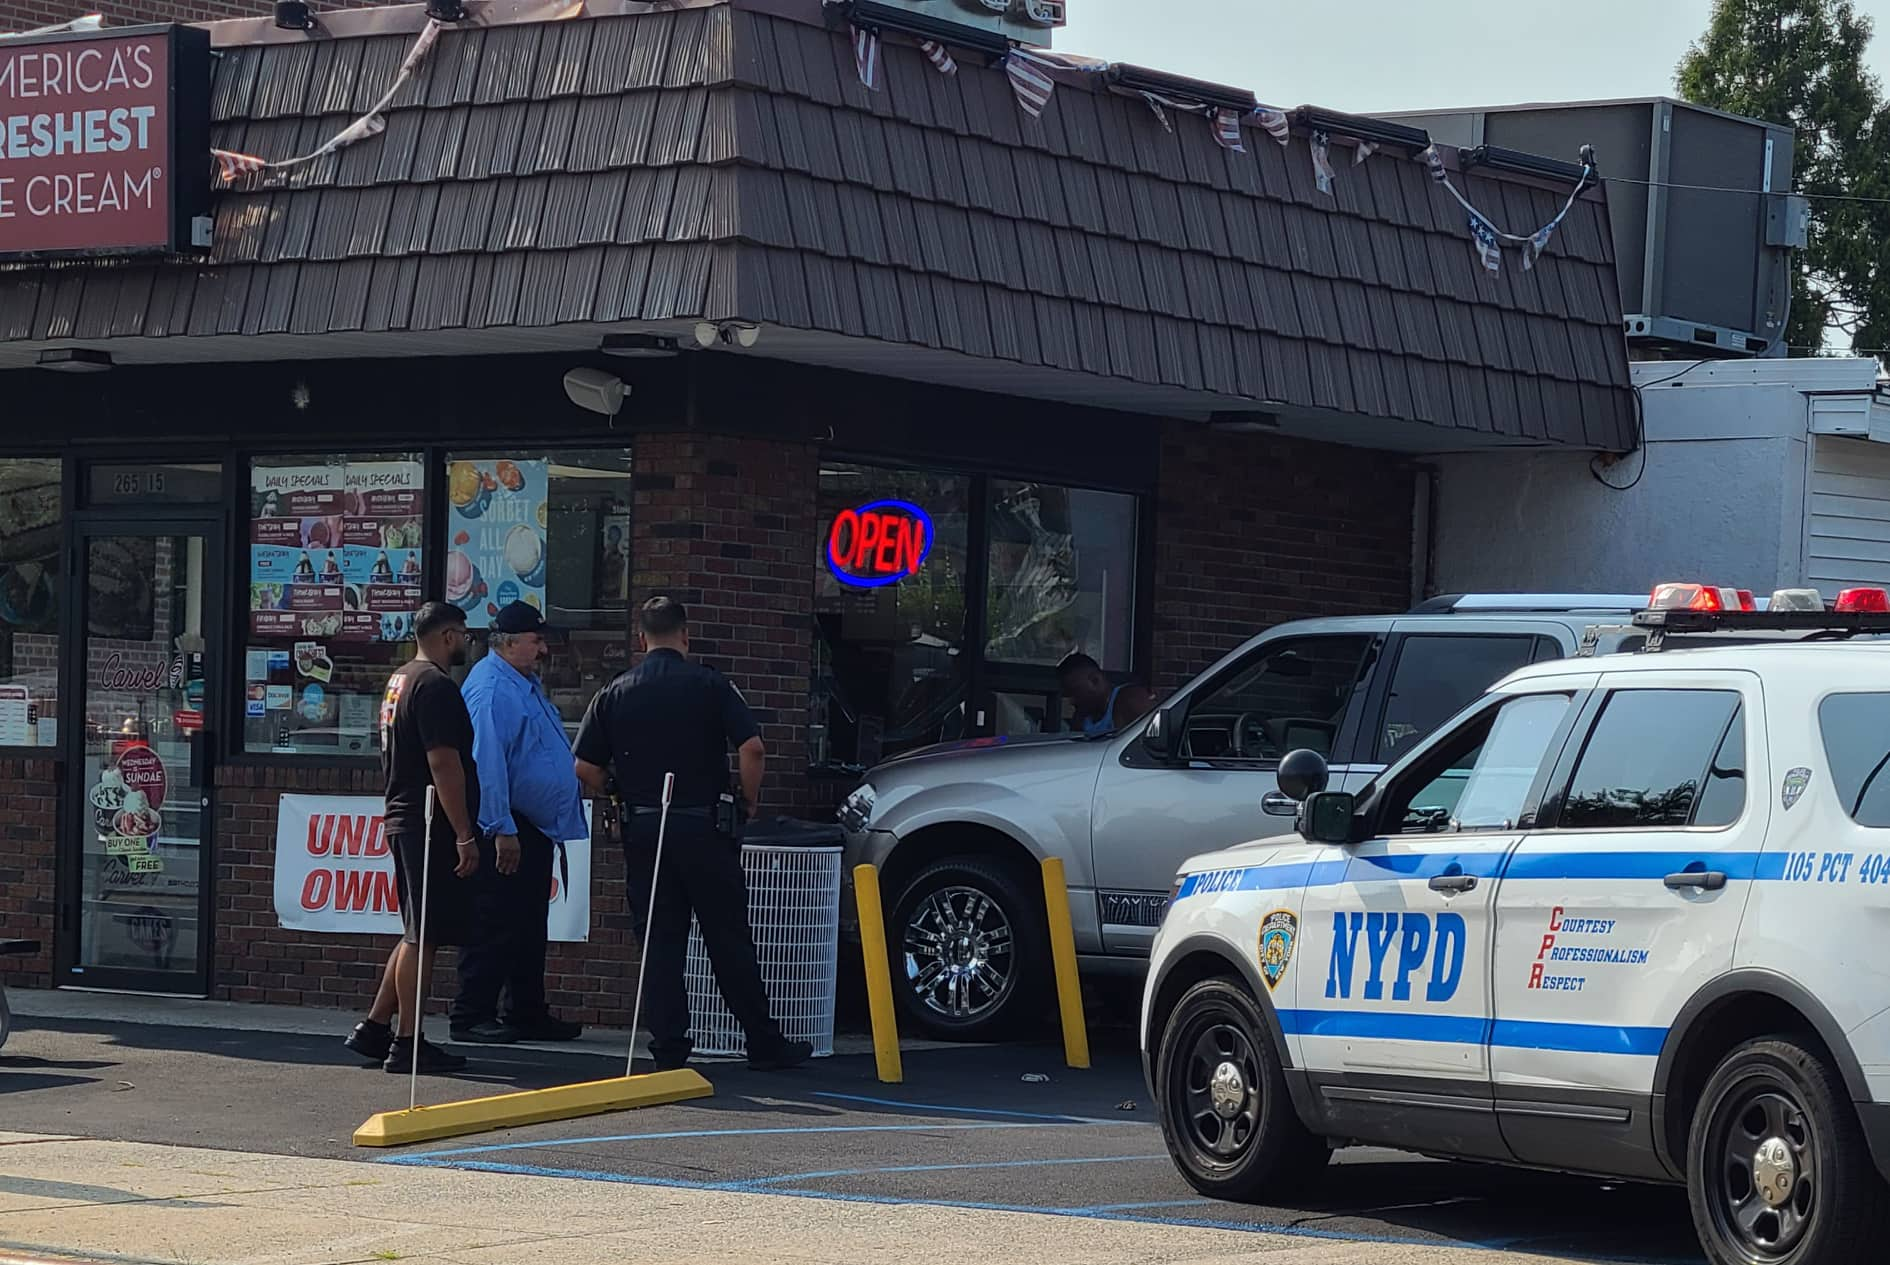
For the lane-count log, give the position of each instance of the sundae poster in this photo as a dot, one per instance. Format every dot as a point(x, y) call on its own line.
point(384, 503)
point(297, 553)
point(497, 517)
point(127, 801)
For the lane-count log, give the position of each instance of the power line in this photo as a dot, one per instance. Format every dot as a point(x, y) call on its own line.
point(1751, 193)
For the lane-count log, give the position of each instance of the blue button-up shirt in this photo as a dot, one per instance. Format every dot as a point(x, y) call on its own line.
point(523, 757)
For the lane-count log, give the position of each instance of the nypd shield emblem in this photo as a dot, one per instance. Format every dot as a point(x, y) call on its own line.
point(1278, 931)
point(1796, 780)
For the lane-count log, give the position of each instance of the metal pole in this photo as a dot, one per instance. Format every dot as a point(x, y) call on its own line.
point(643, 956)
point(420, 958)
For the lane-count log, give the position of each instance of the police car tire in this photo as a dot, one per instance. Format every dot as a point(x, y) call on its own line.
point(1850, 1218)
point(1283, 1154)
point(1021, 907)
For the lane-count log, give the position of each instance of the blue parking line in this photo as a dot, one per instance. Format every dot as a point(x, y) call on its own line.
point(1090, 1214)
point(968, 1111)
point(548, 1143)
point(946, 1168)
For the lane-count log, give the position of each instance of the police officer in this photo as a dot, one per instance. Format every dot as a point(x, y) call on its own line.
point(670, 715)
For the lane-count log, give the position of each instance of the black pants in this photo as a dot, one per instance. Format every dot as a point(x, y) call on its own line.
point(505, 950)
point(702, 874)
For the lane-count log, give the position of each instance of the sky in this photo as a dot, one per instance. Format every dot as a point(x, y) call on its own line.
point(1379, 55)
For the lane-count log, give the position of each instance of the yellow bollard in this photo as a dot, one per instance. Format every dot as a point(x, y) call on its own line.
point(879, 998)
point(1056, 899)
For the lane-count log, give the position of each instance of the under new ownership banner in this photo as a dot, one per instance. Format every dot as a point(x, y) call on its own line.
point(334, 874)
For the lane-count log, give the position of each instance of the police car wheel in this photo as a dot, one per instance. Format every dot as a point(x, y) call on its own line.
point(969, 949)
point(1226, 1115)
point(1778, 1171)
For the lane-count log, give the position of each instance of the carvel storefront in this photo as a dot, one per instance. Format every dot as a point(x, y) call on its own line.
point(920, 395)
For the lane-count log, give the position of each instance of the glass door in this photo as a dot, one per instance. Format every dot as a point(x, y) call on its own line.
point(141, 744)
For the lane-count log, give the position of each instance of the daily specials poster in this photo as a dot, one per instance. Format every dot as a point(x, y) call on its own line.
point(382, 563)
point(496, 531)
point(297, 552)
point(335, 550)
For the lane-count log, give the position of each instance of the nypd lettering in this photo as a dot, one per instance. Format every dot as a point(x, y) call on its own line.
point(1393, 949)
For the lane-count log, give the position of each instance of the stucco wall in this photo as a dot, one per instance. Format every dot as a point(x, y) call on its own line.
point(1722, 500)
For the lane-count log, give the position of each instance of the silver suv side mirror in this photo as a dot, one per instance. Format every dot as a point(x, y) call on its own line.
point(1158, 736)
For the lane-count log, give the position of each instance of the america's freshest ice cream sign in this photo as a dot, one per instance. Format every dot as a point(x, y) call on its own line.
point(104, 141)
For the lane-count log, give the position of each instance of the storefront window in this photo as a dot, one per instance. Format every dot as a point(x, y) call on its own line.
point(551, 529)
point(29, 601)
point(336, 558)
point(890, 668)
point(1062, 575)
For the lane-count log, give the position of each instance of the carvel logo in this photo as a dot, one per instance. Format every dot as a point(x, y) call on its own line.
point(879, 544)
point(1416, 941)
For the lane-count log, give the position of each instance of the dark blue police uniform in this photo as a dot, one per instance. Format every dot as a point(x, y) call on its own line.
point(670, 715)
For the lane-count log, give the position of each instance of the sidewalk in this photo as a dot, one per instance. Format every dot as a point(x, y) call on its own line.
point(135, 1204)
point(190, 1012)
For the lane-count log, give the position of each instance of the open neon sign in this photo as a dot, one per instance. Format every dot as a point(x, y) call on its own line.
point(878, 544)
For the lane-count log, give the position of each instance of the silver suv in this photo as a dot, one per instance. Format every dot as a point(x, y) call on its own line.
point(958, 830)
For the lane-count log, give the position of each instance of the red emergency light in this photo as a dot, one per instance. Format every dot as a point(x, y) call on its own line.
point(1863, 601)
point(878, 544)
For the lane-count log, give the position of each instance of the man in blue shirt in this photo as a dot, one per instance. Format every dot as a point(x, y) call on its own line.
point(529, 805)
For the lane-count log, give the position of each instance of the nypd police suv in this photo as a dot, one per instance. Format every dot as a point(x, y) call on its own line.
point(1626, 916)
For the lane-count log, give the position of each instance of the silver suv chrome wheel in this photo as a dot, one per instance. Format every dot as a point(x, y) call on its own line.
point(960, 953)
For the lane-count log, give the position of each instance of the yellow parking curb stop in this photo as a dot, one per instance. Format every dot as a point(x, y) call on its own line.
point(532, 1106)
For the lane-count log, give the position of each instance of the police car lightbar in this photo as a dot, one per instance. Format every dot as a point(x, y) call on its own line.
point(1683, 608)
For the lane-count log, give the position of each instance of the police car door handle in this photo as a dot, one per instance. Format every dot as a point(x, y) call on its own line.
point(1707, 880)
point(1278, 804)
point(1453, 883)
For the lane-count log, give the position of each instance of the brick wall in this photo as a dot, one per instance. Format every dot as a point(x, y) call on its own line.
point(20, 15)
point(258, 960)
point(29, 789)
point(1254, 530)
point(726, 526)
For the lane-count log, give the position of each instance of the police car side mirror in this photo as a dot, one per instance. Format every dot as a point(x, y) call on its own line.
point(1158, 736)
point(1326, 817)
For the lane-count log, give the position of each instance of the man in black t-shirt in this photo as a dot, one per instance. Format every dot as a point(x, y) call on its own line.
point(426, 742)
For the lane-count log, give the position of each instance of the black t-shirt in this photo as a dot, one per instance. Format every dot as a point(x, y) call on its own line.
point(421, 710)
point(666, 715)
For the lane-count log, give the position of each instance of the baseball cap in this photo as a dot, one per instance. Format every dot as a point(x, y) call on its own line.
point(520, 617)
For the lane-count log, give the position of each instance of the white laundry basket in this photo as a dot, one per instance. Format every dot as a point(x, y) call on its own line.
point(794, 907)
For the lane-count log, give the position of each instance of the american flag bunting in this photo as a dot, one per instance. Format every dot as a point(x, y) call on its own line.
point(1227, 130)
point(939, 56)
point(866, 56)
point(1322, 161)
point(234, 165)
point(1538, 243)
point(1489, 250)
point(1033, 87)
point(1435, 162)
point(1365, 150)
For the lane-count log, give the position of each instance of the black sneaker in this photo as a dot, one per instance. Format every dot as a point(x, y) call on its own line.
point(486, 1032)
point(781, 1057)
point(371, 1040)
point(547, 1027)
point(433, 1060)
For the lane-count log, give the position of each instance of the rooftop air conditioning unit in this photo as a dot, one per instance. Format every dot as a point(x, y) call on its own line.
point(1703, 214)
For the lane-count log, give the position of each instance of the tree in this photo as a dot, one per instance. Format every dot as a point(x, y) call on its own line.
point(1801, 62)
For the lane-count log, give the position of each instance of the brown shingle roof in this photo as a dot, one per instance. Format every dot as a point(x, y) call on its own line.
point(725, 162)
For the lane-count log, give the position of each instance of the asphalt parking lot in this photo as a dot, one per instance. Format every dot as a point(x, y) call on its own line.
point(964, 1130)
